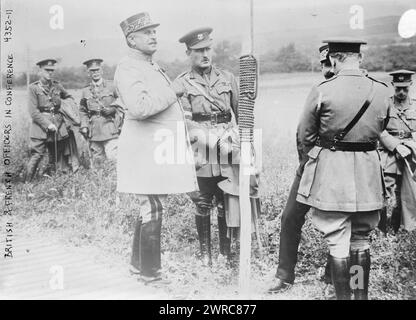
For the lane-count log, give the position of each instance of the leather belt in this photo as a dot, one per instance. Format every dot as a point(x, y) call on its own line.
point(47, 110)
point(347, 146)
point(219, 117)
point(401, 134)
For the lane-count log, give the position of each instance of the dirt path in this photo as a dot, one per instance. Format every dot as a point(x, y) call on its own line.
point(44, 269)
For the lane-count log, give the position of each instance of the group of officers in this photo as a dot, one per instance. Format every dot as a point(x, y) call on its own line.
point(354, 139)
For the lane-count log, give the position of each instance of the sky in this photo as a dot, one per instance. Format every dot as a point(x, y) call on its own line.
point(92, 19)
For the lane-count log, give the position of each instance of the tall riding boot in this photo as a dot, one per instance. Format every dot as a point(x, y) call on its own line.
point(327, 275)
point(340, 272)
point(135, 251)
point(32, 166)
point(362, 258)
point(203, 226)
point(149, 244)
point(396, 216)
point(225, 242)
point(382, 225)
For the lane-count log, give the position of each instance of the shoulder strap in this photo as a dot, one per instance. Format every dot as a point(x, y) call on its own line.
point(340, 136)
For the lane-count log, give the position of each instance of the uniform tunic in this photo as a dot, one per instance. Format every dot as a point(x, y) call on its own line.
point(338, 180)
point(44, 103)
point(222, 87)
point(401, 127)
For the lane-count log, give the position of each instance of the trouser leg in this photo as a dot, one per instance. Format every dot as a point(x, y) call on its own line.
point(293, 218)
point(224, 241)
point(392, 182)
point(110, 149)
point(37, 151)
point(97, 151)
point(336, 227)
point(203, 200)
point(146, 254)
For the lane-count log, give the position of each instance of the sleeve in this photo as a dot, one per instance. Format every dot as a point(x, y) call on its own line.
point(141, 101)
point(388, 141)
point(117, 103)
point(308, 127)
point(184, 100)
point(64, 94)
point(83, 111)
point(34, 112)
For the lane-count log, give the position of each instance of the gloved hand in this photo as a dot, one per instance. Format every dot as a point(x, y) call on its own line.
point(52, 128)
point(108, 111)
point(403, 151)
point(84, 132)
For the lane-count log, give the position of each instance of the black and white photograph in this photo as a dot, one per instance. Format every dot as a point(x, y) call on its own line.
point(225, 151)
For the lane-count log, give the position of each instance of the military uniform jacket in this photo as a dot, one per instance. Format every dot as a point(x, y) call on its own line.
point(44, 104)
point(93, 100)
point(338, 180)
point(154, 155)
point(401, 127)
point(222, 87)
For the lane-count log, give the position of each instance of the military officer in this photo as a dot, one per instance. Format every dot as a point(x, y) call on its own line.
point(153, 114)
point(210, 100)
point(101, 117)
point(48, 130)
point(342, 180)
point(293, 216)
point(397, 141)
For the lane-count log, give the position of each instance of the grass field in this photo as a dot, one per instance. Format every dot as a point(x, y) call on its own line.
point(82, 210)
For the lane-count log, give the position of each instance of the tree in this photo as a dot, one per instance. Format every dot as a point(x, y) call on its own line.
point(226, 55)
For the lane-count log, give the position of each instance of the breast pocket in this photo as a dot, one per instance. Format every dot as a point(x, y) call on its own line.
point(44, 100)
point(223, 88)
point(411, 118)
point(198, 102)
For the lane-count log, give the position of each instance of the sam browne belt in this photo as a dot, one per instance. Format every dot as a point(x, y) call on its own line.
point(219, 117)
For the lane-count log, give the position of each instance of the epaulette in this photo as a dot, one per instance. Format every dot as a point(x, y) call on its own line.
point(381, 82)
point(327, 80)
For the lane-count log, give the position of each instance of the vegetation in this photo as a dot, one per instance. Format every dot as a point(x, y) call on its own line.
point(226, 54)
point(84, 210)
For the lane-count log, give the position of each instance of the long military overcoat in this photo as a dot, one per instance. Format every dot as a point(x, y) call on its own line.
point(154, 152)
